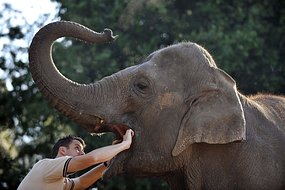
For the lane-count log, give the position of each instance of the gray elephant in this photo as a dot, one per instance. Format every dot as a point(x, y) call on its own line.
point(192, 127)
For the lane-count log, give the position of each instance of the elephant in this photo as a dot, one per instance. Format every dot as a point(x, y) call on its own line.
point(193, 128)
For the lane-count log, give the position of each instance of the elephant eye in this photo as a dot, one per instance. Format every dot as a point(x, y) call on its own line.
point(141, 86)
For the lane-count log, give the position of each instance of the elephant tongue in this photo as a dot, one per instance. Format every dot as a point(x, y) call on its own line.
point(118, 129)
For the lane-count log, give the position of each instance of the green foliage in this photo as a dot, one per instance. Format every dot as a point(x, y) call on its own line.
point(245, 38)
point(28, 125)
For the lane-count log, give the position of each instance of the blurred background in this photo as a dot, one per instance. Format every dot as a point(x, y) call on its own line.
point(245, 38)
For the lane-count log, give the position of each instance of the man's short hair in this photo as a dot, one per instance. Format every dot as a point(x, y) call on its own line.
point(65, 141)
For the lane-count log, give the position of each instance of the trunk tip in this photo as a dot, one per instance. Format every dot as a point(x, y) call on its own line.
point(109, 33)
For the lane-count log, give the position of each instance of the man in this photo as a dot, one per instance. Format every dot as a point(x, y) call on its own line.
point(69, 157)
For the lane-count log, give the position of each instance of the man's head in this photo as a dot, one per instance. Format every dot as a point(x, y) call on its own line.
point(68, 146)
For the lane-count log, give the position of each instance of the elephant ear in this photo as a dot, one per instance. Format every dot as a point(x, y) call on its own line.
point(215, 116)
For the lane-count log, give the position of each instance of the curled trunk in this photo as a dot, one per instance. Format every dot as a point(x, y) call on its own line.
point(68, 97)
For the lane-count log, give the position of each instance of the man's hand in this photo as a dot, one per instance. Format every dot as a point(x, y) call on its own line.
point(127, 138)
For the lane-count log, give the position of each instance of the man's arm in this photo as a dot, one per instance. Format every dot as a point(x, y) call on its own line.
point(90, 177)
point(99, 155)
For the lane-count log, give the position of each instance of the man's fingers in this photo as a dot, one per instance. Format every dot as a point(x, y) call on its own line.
point(131, 132)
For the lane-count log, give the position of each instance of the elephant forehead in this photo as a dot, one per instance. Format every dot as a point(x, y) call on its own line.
point(169, 99)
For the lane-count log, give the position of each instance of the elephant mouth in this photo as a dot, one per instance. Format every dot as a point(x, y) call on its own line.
point(118, 129)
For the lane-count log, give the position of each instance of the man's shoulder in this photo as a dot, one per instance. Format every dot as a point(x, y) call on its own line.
point(52, 160)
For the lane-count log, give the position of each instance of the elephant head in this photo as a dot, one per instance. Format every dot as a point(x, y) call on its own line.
point(173, 99)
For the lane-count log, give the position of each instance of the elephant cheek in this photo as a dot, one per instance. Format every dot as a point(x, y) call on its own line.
point(167, 100)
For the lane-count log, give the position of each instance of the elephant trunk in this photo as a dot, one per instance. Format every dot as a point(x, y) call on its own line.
point(68, 97)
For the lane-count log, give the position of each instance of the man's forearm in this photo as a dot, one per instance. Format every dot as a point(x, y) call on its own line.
point(96, 156)
point(89, 178)
point(101, 154)
point(108, 152)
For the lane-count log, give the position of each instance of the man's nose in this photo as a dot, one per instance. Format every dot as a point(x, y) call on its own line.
point(82, 152)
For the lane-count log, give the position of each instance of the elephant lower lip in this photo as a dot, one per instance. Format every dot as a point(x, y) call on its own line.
point(116, 166)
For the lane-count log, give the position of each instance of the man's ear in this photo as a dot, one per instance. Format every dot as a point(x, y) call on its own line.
point(215, 115)
point(62, 150)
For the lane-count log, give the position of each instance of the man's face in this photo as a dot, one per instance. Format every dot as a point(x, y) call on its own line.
point(75, 149)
